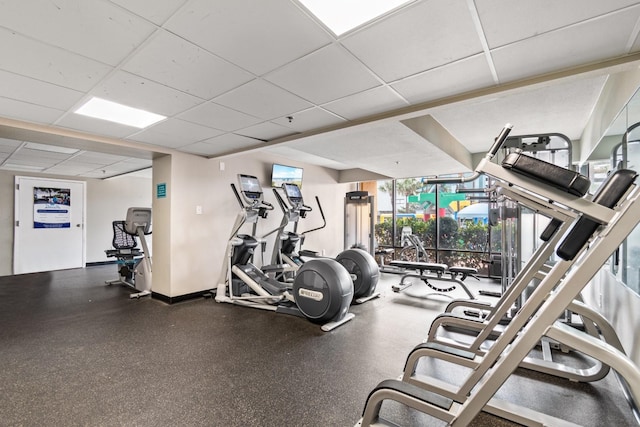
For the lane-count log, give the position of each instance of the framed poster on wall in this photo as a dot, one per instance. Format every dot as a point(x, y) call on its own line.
point(51, 207)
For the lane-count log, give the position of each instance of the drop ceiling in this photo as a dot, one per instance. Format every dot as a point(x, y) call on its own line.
point(241, 75)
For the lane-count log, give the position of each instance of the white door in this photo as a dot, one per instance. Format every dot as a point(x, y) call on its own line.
point(49, 228)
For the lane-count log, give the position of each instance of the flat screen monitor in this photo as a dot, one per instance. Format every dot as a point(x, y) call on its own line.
point(281, 174)
point(292, 191)
point(250, 186)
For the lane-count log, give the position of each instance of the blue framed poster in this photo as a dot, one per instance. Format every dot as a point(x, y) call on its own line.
point(51, 207)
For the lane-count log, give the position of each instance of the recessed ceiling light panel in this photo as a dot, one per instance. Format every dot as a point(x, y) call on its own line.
point(51, 148)
point(112, 111)
point(344, 15)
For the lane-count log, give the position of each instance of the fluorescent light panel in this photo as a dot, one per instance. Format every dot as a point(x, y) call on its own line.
point(50, 148)
point(344, 15)
point(112, 111)
point(13, 166)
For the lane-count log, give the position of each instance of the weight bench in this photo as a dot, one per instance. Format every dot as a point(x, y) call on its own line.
point(381, 253)
point(434, 272)
point(463, 272)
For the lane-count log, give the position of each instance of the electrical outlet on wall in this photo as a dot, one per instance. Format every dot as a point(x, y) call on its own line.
point(198, 210)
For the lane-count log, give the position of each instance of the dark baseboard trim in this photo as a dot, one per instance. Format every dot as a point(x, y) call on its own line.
point(169, 300)
point(96, 263)
point(180, 298)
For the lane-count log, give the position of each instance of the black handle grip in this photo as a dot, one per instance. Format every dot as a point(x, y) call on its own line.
point(500, 139)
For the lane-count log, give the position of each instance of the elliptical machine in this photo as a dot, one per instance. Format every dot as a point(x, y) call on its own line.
point(362, 267)
point(321, 291)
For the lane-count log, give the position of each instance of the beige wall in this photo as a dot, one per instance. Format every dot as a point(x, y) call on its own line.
point(189, 247)
point(107, 201)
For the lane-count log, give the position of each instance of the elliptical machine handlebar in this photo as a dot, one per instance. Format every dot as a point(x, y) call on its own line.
point(324, 220)
point(298, 206)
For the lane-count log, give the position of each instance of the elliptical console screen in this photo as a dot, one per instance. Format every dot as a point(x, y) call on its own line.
point(293, 192)
point(250, 187)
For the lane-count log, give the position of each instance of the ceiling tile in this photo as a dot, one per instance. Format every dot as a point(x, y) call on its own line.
point(367, 103)
point(420, 37)
point(265, 131)
point(451, 79)
point(37, 92)
point(572, 46)
point(175, 133)
point(29, 112)
point(262, 99)
point(138, 163)
point(392, 150)
point(258, 36)
point(224, 144)
point(156, 11)
point(291, 152)
point(563, 107)
point(138, 92)
point(309, 119)
point(21, 55)
point(96, 159)
point(71, 170)
point(26, 154)
point(327, 74)
point(9, 145)
point(503, 23)
point(95, 29)
point(173, 61)
point(218, 117)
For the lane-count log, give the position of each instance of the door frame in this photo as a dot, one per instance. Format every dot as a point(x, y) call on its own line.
point(16, 206)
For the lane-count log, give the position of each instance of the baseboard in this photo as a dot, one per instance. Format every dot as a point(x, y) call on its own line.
point(180, 298)
point(97, 263)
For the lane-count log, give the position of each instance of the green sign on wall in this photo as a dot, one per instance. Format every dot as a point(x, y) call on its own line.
point(161, 190)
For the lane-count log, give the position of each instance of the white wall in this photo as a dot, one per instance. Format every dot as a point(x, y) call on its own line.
point(107, 200)
point(620, 306)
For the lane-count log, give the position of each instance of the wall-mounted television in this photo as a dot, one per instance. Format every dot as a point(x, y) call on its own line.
point(289, 174)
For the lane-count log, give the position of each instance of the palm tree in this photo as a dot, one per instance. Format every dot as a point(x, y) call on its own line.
point(405, 187)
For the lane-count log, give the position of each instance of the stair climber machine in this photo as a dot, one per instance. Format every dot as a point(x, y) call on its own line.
point(321, 291)
point(360, 264)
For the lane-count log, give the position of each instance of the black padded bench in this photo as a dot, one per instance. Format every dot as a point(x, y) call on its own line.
point(438, 269)
point(608, 194)
point(463, 272)
point(563, 179)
